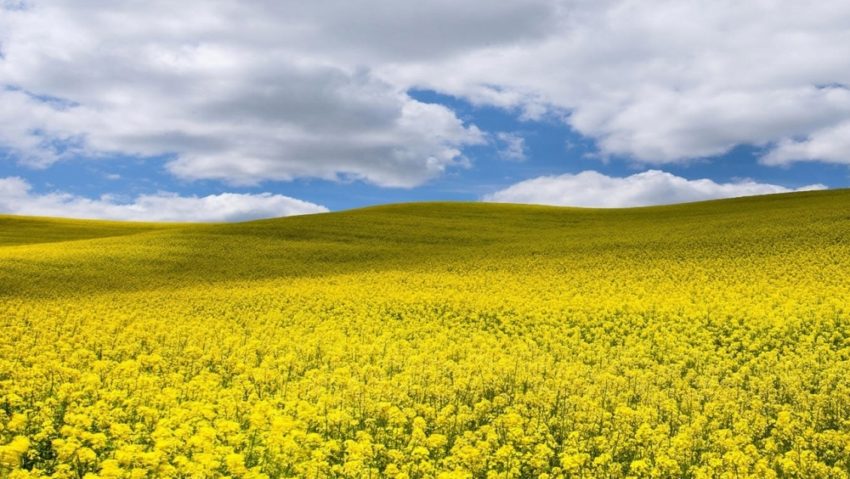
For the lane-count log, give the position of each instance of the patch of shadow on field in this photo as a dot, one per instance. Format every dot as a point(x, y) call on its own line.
point(430, 237)
point(23, 230)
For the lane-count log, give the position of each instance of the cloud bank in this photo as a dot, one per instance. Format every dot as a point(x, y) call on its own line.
point(664, 81)
point(652, 187)
point(320, 89)
point(189, 80)
point(16, 197)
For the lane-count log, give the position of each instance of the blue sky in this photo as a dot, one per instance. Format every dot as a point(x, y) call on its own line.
point(534, 101)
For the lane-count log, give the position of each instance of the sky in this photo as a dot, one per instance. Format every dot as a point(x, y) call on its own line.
point(232, 110)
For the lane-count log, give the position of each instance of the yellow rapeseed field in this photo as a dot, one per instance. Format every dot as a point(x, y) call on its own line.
point(708, 340)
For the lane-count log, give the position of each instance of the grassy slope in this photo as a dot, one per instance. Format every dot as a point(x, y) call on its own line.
point(41, 257)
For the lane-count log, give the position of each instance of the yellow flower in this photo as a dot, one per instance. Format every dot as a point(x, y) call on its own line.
point(11, 453)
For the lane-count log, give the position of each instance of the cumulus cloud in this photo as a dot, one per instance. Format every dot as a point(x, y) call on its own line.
point(274, 90)
point(652, 187)
point(830, 144)
point(237, 104)
point(17, 197)
point(665, 81)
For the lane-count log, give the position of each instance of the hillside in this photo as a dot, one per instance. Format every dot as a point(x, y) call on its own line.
point(89, 256)
point(451, 340)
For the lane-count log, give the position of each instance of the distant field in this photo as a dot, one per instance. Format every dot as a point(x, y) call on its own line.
point(450, 340)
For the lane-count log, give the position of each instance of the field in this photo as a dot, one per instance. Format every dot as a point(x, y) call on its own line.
point(707, 340)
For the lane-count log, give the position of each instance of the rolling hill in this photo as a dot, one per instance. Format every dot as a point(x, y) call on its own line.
point(90, 256)
point(443, 340)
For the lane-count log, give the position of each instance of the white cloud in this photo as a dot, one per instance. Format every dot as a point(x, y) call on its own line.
point(512, 146)
point(829, 144)
point(237, 104)
point(16, 197)
point(34, 132)
point(652, 187)
point(249, 91)
point(665, 81)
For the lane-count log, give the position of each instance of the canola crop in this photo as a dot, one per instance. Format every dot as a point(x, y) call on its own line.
point(707, 340)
